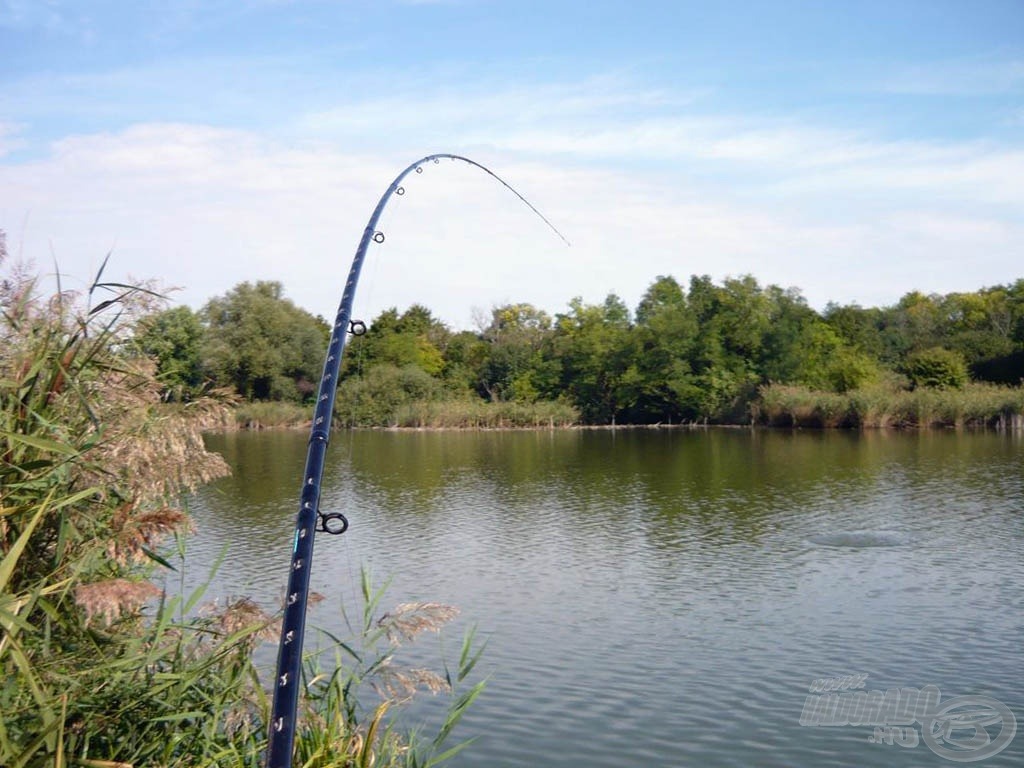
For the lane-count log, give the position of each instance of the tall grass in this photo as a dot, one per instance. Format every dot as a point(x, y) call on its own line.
point(260, 414)
point(974, 405)
point(480, 414)
point(99, 668)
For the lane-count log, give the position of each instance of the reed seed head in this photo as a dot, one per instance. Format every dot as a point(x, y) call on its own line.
point(114, 598)
point(407, 620)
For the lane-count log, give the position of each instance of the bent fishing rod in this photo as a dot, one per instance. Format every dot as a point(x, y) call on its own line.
point(310, 519)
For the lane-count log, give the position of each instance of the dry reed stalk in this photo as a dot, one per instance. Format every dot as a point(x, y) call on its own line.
point(152, 454)
point(239, 614)
point(407, 620)
point(400, 685)
point(134, 532)
point(114, 598)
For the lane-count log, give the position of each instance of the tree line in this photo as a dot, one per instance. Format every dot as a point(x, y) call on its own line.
point(701, 351)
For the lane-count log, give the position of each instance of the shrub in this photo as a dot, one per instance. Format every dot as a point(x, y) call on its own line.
point(387, 396)
point(936, 368)
point(374, 399)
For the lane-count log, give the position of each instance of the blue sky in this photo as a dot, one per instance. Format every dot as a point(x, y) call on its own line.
point(855, 150)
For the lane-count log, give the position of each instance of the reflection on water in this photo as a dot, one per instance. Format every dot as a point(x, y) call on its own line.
point(662, 597)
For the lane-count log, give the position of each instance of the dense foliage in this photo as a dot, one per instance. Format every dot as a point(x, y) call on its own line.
point(703, 352)
point(252, 339)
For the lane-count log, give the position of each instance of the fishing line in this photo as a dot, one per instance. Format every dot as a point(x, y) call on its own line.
point(310, 520)
point(384, 250)
point(380, 252)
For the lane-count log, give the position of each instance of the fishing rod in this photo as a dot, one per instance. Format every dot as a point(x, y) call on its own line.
point(310, 519)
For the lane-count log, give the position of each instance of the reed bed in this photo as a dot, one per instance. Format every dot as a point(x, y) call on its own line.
point(974, 405)
point(421, 414)
point(100, 667)
point(480, 414)
point(271, 414)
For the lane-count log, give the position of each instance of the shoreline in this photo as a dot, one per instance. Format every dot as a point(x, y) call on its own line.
point(1015, 426)
point(782, 406)
point(777, 406)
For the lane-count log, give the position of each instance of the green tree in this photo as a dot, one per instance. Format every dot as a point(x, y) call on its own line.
point(745, 315)
point(593, 345)
point(413, 338)
point(465, 355)
point(916, 322)
point(979, 324)
point(262, 344)
point(797, 344)
point(733, 321)
point(804, 348)
point(860, 329)
point(825, 362)
point(513, 368)
point(174, 339)
point(664, 340)
point(1015, 305)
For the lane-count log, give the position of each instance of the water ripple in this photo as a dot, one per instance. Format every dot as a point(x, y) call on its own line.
point(668, 598)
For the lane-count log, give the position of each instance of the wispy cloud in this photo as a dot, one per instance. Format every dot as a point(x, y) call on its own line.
point(421, 104)
point(27, 14)
point(973, 76)
point(610, 123)
point(10, 138)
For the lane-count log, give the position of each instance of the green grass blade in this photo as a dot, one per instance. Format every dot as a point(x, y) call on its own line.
point(11, 558)
point(40, 443)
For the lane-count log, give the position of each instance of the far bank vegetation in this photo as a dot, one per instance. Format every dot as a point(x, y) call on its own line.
point(734, 352)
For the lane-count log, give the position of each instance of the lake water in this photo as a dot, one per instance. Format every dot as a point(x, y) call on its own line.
point(666, 597)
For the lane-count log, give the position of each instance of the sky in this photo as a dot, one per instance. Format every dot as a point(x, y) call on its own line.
point(856, 151)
